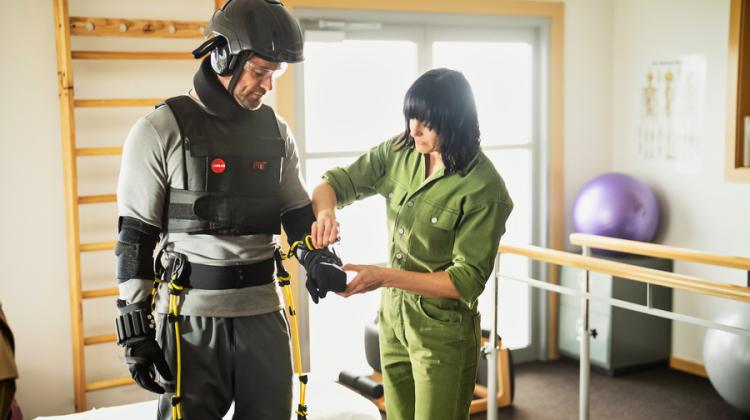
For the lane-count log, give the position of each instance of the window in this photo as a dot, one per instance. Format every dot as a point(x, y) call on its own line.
point(737, 166)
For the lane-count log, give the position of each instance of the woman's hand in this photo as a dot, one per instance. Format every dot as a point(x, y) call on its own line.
point(368, 278)
point(325, 230)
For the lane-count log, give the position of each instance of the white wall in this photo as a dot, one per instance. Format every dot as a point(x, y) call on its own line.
point(33, 289)
point(703, 211)
point(609, 46)
point(588, 91)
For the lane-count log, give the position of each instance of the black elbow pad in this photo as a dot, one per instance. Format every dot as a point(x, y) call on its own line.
point(297, 223)
point(135, 249)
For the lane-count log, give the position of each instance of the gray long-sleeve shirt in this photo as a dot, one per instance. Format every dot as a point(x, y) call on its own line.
point(151, 163)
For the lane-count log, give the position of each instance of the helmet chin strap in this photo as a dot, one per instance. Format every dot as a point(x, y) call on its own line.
point(238, 69)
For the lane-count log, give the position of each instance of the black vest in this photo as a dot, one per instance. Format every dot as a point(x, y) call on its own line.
point(232, 172)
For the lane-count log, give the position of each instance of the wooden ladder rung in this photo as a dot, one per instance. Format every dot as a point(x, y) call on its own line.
point(99, 339)
point(131, 55)
point(112, 103)
point(99, 151)
point(97, 246)
point(99, 293)
point(91, 26)
point(109, 383)
point(93, 199)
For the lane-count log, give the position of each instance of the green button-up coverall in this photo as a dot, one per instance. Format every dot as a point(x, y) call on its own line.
point(429, 347)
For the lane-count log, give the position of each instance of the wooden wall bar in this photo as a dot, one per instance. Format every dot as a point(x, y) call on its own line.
point(91, 26)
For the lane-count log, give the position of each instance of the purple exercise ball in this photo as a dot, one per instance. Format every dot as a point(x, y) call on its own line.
point(616, 205)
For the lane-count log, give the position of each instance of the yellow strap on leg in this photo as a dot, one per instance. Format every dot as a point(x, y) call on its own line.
point(174, 315)
point(284, 280)
point(302, 409)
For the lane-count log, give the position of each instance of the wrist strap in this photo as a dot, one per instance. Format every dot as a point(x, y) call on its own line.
point(134, 323)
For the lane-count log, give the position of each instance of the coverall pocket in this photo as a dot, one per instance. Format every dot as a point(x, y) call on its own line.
point(439, 310)
point(434, 233)
point(283, 323)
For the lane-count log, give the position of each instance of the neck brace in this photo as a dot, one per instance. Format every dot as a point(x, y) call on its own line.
point(212, 93)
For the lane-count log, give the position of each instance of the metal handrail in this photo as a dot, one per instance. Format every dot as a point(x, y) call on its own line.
point(636, 273)
point(641, 274)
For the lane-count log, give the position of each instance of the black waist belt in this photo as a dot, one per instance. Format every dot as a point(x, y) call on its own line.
point(212, 277)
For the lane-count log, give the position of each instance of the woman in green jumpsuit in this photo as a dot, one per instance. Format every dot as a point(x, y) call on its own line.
point(447, 208)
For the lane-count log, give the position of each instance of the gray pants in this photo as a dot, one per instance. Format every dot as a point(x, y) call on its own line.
point(246, 360)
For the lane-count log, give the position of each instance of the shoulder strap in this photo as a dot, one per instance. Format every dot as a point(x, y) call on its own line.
point(190, 119)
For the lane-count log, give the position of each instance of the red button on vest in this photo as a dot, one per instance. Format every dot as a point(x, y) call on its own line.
point(218, 166)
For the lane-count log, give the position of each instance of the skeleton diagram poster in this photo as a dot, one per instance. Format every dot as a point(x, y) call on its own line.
point(672, 110)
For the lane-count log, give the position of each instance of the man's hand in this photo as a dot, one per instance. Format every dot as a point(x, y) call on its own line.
point(325, 230)
point(368, 278)
point(136, 332)
point(142, 357)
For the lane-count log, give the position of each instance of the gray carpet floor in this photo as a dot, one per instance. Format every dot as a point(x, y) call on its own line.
point(549, 391)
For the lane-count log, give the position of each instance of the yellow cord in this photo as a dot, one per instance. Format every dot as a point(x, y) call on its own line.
point(174, 312)
point(295, 334)
point(285, 282)
point(308, 242)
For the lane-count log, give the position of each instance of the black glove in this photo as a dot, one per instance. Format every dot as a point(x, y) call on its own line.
point(324, 273)
point(136, 332)
point(141, 358)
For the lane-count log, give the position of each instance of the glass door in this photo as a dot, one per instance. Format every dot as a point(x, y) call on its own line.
point(353, 91)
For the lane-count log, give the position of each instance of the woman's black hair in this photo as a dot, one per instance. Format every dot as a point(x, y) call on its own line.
point(442, 100)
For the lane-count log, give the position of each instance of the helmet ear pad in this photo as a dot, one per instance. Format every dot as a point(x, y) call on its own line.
point(222, 61)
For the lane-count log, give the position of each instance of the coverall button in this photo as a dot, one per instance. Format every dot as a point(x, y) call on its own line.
point(410, 203)
point(433, 220)
point(400, 231)
point(399, 256)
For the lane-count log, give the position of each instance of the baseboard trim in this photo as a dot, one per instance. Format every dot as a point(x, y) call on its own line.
point(687, 366)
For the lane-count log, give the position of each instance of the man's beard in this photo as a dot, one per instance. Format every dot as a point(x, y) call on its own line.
point(250, 102)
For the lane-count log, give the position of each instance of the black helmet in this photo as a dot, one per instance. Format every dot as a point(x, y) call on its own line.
point(262, 27)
